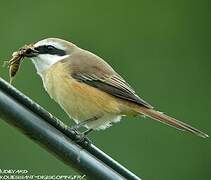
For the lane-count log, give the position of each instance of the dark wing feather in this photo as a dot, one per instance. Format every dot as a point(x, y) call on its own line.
point(113, 85)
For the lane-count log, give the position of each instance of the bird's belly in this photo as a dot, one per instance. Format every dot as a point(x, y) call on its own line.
point(75, 104)
point(81, 108)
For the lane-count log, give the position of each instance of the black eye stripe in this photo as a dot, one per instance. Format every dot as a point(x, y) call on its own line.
point(49, 49)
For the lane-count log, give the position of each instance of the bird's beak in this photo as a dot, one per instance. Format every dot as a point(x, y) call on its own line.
point(30, 51)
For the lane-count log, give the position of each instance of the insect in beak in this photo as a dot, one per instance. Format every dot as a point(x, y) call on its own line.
point(17, 57)
point(29, 51)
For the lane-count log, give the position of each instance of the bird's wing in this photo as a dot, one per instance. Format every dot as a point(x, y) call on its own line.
point(112, 85)
point(92, 70)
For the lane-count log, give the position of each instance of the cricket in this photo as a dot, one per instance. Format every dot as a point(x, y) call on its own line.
point(17, 57)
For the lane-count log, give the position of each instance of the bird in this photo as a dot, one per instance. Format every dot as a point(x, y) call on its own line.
point(89, 90)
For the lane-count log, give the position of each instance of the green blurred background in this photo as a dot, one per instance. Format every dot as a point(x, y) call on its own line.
point(162, 48)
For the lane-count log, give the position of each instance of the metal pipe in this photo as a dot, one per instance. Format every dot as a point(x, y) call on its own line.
point(35, 121)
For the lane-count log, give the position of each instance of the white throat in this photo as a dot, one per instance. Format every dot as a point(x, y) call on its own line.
point(44, 61)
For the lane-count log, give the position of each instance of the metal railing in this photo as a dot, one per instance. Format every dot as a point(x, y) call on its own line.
point(54, 135)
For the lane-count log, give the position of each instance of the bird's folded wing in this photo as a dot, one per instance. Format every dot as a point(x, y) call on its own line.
point(114, 85)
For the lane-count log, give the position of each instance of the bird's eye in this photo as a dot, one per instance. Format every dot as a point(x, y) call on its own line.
point(50, 48)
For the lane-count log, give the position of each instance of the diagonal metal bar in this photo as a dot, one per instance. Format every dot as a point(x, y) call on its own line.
point(41, 126)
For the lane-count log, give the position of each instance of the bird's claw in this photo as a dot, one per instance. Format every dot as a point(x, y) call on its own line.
point(79, 137)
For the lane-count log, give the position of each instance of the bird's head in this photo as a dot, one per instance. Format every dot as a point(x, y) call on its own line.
point(49, 51)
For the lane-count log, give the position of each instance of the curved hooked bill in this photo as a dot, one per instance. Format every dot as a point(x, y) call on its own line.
point(29, 51)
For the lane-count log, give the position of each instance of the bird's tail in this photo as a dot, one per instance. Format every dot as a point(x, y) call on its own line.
point(159, 116)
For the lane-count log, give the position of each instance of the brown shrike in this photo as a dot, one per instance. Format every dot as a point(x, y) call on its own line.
point(88, 89)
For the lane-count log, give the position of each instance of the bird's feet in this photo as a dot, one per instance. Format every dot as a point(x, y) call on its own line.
point(80, 137)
